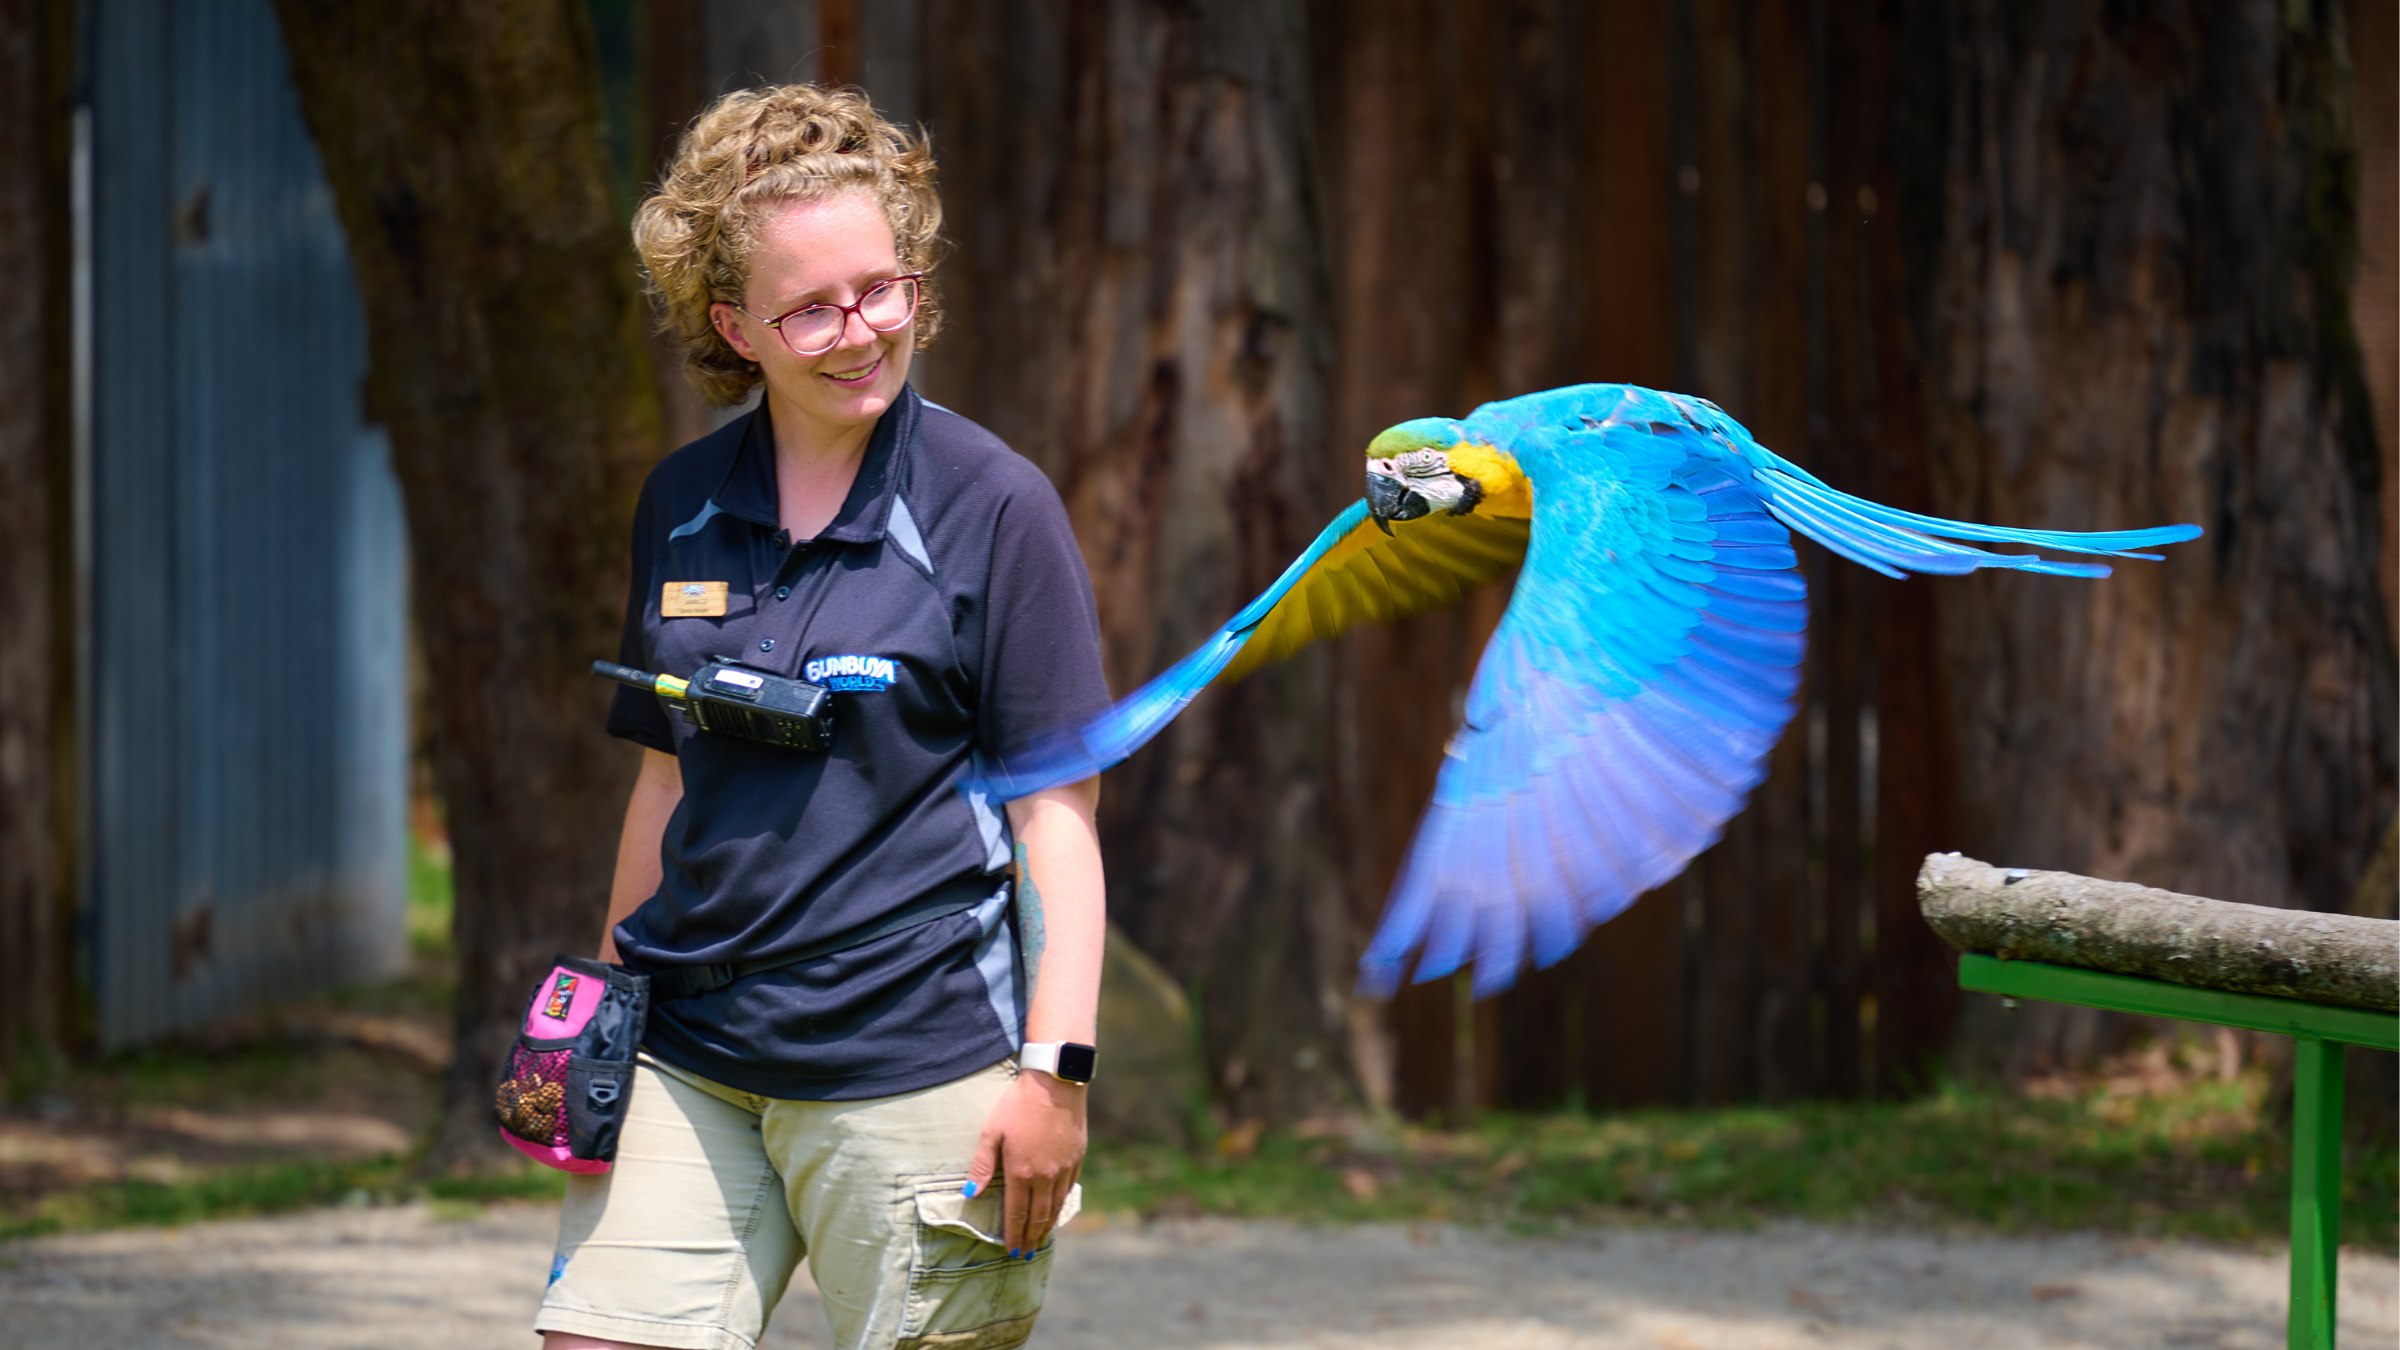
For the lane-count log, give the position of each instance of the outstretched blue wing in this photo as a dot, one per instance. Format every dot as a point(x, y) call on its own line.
point(1646, 666)
point(1622, 712)
point(1352, 573)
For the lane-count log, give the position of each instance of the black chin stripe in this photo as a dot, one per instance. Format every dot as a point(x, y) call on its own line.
point(1472, 493)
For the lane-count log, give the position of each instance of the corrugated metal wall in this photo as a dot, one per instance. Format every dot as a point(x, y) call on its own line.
point(244, 601)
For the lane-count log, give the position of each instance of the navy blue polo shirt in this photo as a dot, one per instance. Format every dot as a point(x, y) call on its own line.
point(948, 608)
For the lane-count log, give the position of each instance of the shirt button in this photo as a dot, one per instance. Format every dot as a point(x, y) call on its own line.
point(766, 644)
point(783, 592)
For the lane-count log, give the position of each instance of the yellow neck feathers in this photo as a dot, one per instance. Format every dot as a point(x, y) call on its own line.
point(1506, 490)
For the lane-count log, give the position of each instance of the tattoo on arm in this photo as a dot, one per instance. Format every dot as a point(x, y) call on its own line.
point(1032, 937)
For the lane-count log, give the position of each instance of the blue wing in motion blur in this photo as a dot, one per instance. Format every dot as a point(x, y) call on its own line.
point(1353, 572)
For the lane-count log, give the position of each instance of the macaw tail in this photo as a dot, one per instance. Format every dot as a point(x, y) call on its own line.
point(1896, 542)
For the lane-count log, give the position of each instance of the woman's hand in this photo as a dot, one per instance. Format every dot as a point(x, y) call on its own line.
point(1035, 1136)
point(1035, 1133)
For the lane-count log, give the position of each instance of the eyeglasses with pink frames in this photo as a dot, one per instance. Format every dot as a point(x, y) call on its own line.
point(816, 328)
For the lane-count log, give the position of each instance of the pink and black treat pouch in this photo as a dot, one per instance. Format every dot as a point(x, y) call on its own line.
point(570, 1071)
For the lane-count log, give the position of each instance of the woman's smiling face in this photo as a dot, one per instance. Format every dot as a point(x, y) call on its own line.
point(832, 250)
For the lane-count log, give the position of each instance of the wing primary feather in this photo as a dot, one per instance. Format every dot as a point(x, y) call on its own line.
point(1500, 915)
point(1612, 890)
point(1742, 643)
point(1761, 585)
point(1553, 880)
point(1589, 812)
point(1774, 616)
point(1705, 800)
point(1451, 932)
point(1757, 557)
point(1406, 917)
point(1868, 525)
point(1350, 518)
point(1880, 547)
point(1784, 477)
point(1748, 528)
point(1645, 822)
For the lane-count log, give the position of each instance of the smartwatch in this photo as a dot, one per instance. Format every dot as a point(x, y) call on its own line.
point(1066, 1061)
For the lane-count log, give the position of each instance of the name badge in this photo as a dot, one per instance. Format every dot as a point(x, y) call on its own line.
point(692, 600)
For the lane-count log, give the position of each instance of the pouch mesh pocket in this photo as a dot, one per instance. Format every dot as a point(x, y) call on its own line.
point(532, 1100)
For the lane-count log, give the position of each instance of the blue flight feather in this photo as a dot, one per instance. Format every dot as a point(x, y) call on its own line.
point(1076, 754)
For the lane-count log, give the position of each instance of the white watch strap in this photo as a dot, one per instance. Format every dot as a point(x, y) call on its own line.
point(1042, 1055)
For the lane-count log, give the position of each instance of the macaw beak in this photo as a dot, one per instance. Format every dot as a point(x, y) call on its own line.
point(1389, 499)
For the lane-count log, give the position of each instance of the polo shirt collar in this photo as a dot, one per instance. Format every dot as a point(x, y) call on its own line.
point(749, 487)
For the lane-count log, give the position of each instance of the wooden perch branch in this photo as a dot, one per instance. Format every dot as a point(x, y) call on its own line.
point(2071, 920)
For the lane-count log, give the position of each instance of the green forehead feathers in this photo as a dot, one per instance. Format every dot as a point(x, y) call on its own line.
point(1423, 433)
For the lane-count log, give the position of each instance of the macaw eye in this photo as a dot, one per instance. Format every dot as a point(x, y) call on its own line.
point(1423, 464)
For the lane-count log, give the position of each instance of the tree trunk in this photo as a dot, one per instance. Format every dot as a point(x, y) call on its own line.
point(2068, 920)
point(35, 440)
point(465, 146)
point(1383, 142)
point(1137, 304)
point(2135, 310)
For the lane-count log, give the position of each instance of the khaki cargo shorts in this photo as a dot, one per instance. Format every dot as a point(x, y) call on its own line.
point(717, 1194)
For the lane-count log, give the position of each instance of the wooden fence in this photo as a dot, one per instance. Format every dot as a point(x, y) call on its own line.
point(1716, 214)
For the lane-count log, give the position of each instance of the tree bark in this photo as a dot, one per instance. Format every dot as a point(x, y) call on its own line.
point(465, 145)
point(1382, 142)
point(2070, 920)
point(36, 744)
point(1137, 303)
point(2131, 259)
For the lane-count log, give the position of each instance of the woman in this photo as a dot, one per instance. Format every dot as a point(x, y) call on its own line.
point(839, 1003)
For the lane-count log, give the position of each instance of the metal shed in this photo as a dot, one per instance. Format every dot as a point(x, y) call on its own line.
point(240, 554)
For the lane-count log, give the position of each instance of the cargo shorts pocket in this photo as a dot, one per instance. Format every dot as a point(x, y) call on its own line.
point(964, 1291)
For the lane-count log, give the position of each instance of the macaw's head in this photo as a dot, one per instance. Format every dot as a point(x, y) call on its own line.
point(1429, 465)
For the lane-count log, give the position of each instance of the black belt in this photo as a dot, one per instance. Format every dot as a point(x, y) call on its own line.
point(685, 981)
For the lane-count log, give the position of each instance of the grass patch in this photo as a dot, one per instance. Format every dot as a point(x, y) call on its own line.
point(429, 900)
point(274, 1188)
point(2182, 1156)
point(2187, 1162)
point(174, 1075)
point(2184, 1163)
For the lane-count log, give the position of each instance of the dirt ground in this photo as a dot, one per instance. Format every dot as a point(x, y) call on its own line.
point(315, 1083)
point(354, 1085)
point(350, 1279)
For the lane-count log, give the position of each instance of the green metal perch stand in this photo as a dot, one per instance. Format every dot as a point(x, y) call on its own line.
point(2325, 980)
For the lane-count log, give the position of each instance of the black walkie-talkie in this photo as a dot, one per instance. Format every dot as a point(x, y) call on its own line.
point(732, 699)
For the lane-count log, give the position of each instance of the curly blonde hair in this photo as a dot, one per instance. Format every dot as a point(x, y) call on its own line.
point(755, 149)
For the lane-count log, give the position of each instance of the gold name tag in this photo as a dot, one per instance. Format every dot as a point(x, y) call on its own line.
point(692, 600)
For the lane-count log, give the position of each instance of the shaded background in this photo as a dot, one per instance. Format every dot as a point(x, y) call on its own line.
point(2050, 264)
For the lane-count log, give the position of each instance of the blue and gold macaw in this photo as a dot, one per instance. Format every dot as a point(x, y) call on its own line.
point(1647, 662)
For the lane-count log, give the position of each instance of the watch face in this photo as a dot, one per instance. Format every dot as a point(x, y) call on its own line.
point(1076, 1062)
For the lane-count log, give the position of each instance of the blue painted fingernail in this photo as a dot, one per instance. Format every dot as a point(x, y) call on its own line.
point(1012, 1253)
point(970, 1190)
point(1029, 1256)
